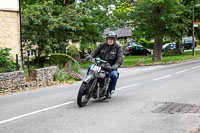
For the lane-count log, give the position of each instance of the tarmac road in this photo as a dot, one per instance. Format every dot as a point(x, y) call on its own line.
point(154, 99)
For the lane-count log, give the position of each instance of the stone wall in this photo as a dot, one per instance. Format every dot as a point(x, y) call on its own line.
point(10, 31)
point(12, 81)
point(43, 77)
point(16, 81)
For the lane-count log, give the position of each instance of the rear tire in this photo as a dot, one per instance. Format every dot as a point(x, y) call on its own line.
point(83, 95)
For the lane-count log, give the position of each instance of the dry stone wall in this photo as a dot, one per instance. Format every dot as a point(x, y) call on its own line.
point(12, 81)
point(44, 76)
point(16, 81)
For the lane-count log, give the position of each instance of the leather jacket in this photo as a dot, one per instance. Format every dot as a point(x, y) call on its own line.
point(110, 53)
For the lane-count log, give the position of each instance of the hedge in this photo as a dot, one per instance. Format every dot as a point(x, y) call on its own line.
point(57, 58)
point(148, 44)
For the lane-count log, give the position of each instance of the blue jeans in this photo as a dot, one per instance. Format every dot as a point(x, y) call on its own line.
point(113, 76)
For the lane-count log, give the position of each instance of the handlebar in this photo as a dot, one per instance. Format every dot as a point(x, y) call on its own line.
point(104, 64)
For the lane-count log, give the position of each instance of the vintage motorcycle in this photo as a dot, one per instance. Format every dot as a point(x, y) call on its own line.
point(95, 84)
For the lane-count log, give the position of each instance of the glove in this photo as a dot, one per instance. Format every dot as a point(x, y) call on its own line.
point(88, 58)
point(114, 67)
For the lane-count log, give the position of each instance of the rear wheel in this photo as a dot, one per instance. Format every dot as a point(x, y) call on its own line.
point(83, 95)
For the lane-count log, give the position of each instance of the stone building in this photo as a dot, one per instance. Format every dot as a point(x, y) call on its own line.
point(10, 26)
point(122, 33)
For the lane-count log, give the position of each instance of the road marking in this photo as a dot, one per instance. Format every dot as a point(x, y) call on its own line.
point(195, 67)
point(182, 71)
point(35, 112)
point(162, 77)
point(125, 87)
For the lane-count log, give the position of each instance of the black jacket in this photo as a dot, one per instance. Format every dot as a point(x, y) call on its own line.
point(112, 54)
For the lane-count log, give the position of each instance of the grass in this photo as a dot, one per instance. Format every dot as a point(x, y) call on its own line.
point(147, 60)
point(85, 64)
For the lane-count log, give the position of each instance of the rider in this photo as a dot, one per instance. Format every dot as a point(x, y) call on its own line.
point(111, 52)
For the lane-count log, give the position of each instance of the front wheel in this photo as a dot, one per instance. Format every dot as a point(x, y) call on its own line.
point(83, 95)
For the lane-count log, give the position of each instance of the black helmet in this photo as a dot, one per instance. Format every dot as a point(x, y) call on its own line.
point(111, 35)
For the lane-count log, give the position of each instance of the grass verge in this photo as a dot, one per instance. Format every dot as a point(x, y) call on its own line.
point(168, 58)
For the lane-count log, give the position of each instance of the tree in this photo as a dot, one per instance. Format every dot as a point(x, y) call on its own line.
point(49, 27)
point(56, 2)
point(99, 16)
point(158, 19)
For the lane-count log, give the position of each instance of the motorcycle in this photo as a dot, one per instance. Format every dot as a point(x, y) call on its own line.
point(95, 84)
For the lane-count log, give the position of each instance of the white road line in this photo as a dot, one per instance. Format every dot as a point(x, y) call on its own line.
point(162, 77)
point(127, 86)
point(182, 71)
point(35, 112)
point(195, 67)
point(53, 107)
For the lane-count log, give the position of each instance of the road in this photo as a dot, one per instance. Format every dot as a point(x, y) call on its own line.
point(153, 99)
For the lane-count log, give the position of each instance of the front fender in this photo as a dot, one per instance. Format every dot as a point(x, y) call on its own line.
point(88, 78)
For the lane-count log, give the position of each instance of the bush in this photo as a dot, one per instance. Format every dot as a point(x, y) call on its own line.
point(146, 44)
point(52, 59)
point(68, 73)
point(74, 52)
point(168, 41)
point(61, 59)
point(33, 62)
point(7, 63)
point(198, 42)
point(89, 47)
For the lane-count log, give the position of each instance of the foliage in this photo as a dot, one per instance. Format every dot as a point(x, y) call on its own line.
point(122, 42)
point(67, 73)
point(62, 59)
point(7, 63)
point(150, 45)
point(56, 2)
point(74, 52)
point(49, 27)
point(158, 20)
point(85, 64)
point(89, 46)
point(122, 12)
point(99, 17)
point(146, 43)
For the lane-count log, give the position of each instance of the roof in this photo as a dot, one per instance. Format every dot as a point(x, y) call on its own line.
point(121, 32)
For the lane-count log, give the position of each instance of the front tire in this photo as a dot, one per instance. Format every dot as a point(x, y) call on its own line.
point(83, 95)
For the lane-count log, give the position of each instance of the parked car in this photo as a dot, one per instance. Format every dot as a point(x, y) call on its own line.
point(135, 49)
point(187, 42)
point(171, 47)
point(168, 46)
point(131, 43)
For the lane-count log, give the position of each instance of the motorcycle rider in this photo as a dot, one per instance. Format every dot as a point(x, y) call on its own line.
point(111, 52)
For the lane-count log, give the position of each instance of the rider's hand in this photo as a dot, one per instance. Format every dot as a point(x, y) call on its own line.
point(88, 58)
point(114, 67)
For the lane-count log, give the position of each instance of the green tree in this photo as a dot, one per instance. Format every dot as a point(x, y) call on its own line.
point(159, 19)
point(49, 27)
point(56, 2)
point(99, 16)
